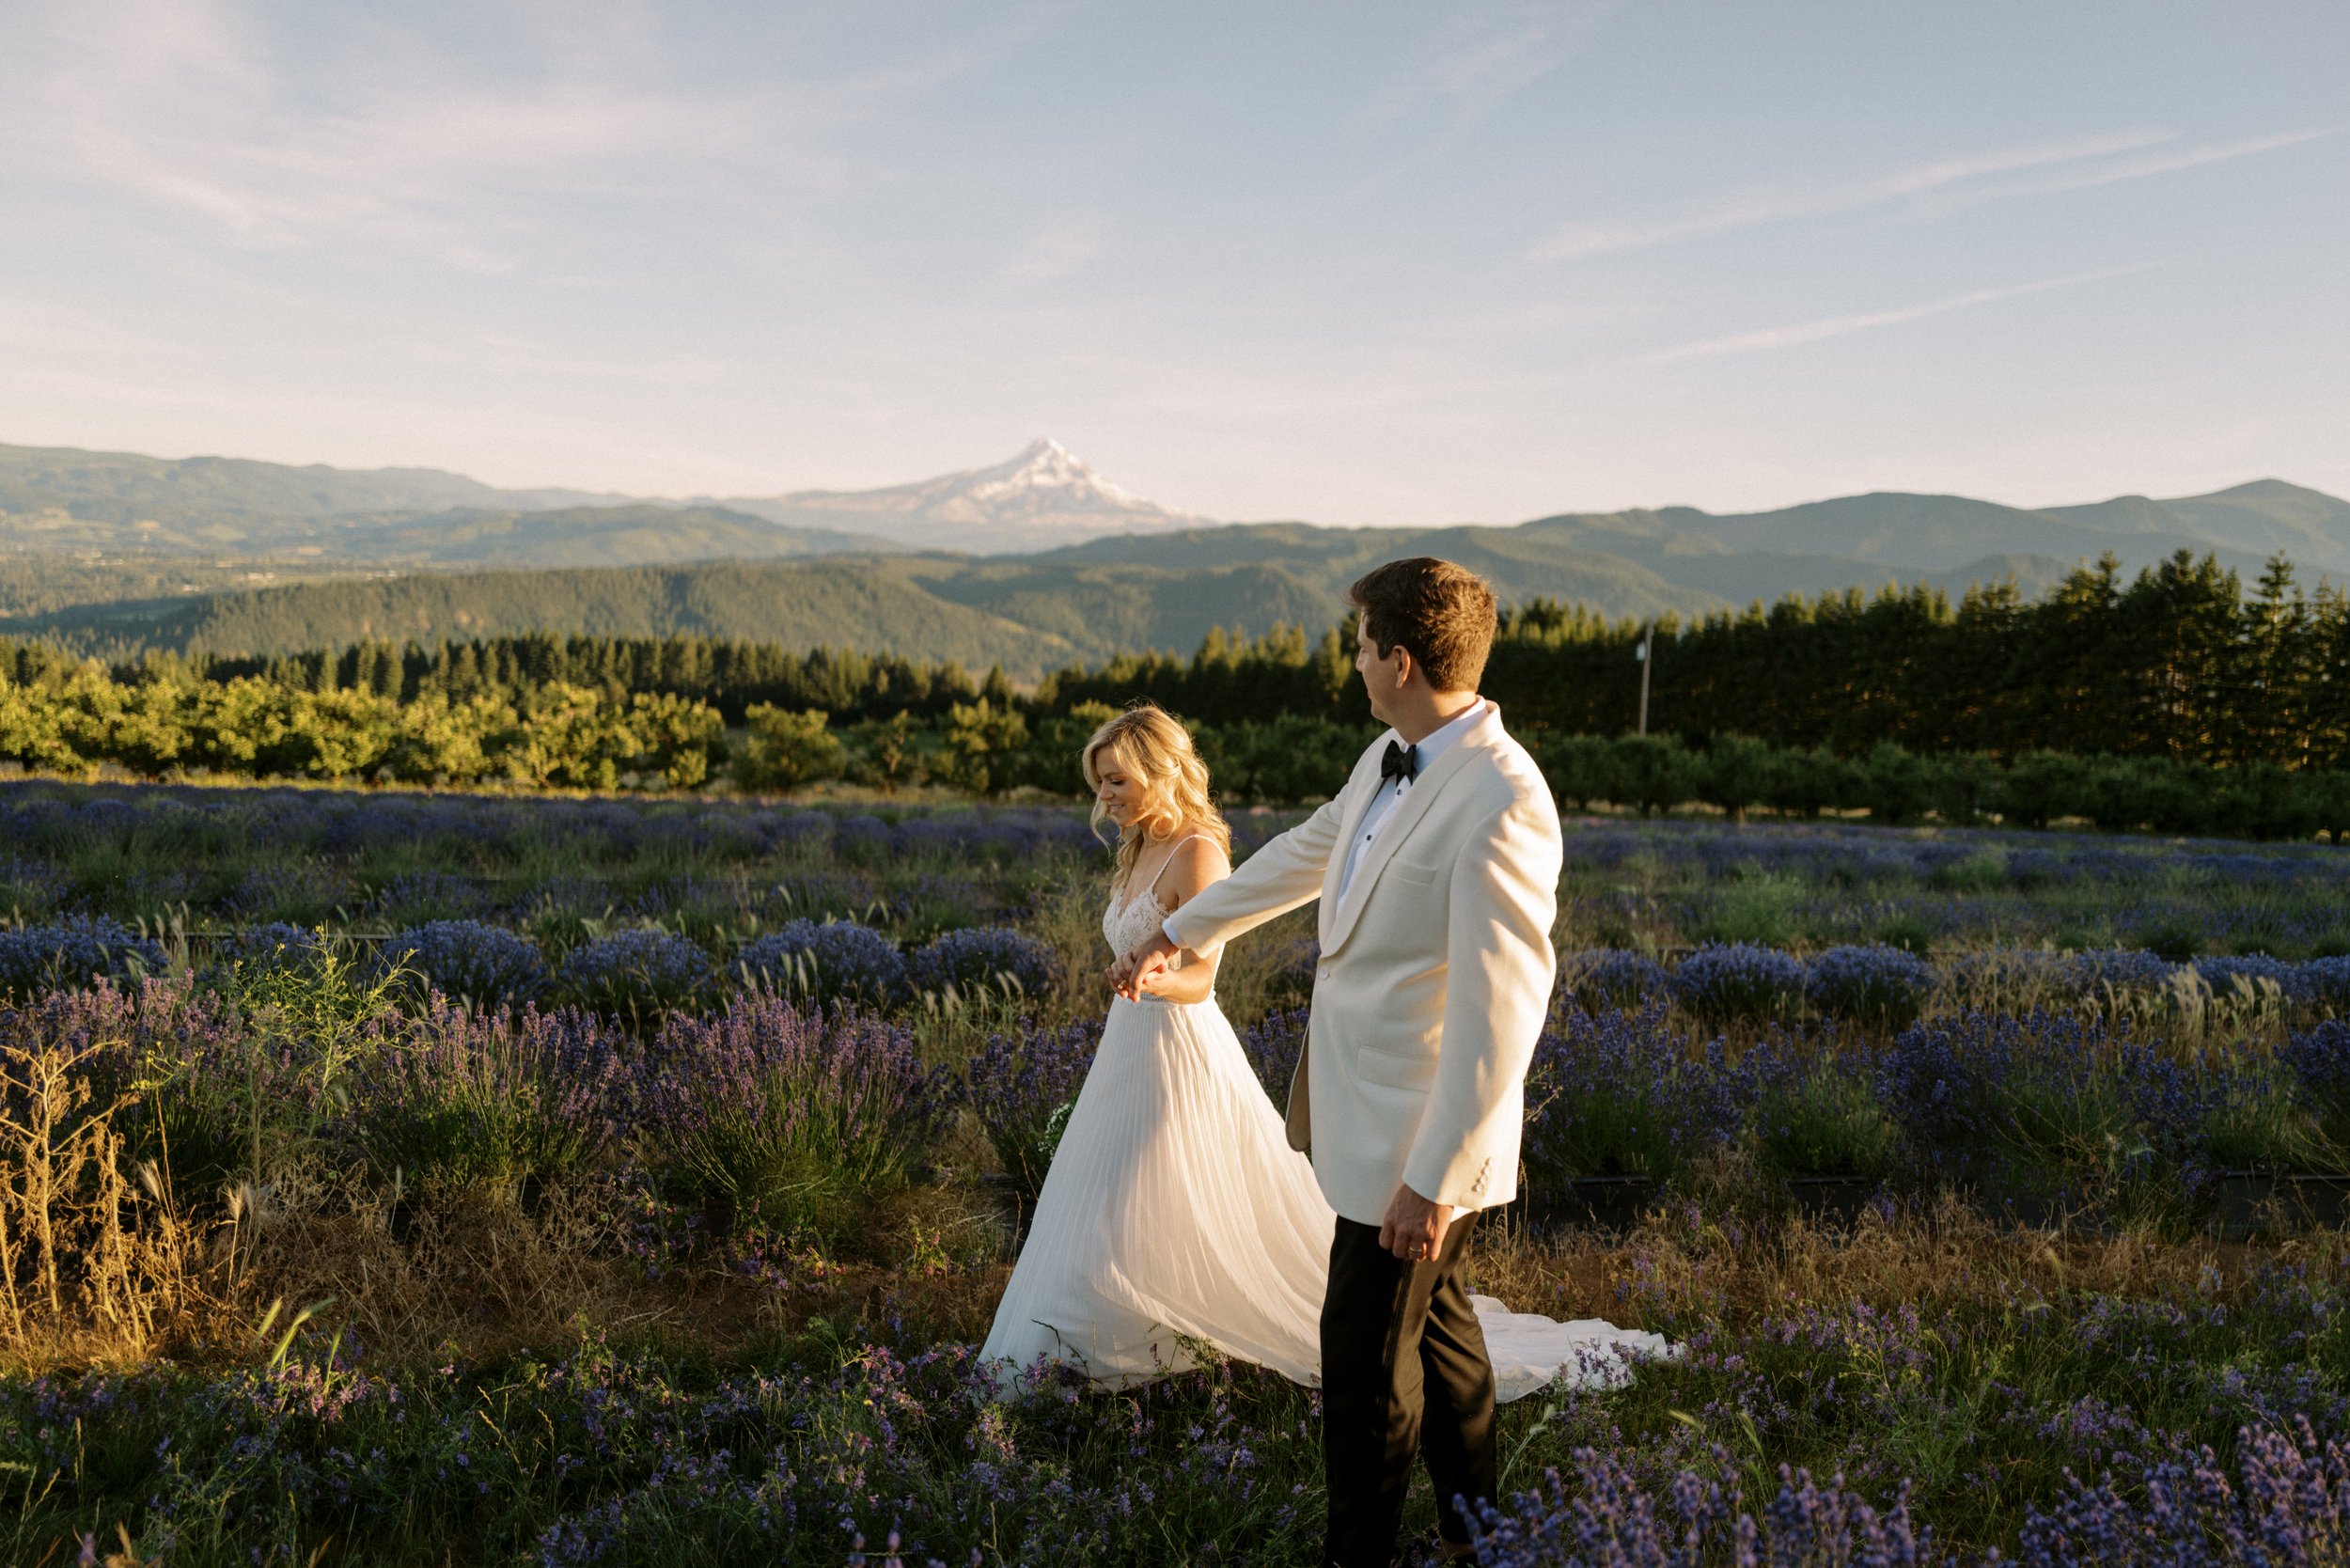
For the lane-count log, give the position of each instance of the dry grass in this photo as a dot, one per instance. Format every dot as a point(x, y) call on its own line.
point(97, 1263)
point(100, 1264)
point(1928, 1258)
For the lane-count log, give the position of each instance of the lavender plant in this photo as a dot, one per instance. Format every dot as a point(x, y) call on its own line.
point(1608, 1517)
point(832, 960)
point(981, 959)
point(637, 974)
point(487, 965)
point(2065, 1109)
point(2319, 1061)
point(1625, 1094)
point(1612, 977)
point(1721, 983)
point(73, 952)
point(792, 1116)
point(1881, 986)
point(1817, 1111)
point(505, 1103)
point(1016, 1083)
point(1275, 1044)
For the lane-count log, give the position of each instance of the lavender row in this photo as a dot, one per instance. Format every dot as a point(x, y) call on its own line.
point(632, 973)
point(2049, 1111)
point(1957, 859)
point(1888, 986)
point(761, 1111)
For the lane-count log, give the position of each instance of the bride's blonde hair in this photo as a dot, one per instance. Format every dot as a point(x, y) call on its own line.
point(1150, 745)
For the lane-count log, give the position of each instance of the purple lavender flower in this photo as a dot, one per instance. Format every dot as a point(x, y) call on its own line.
point(826, 962)
point(2254, 972)
point(71, 953)
point(1613, 977)
point(437, 897)
point(790, 1116)
point(1722, 982)
point(1016, 1083)
point(480, 1101)
point(1275, 1046)
point(1608, 1517)
point(1879, 985)
point(274, 945)
point(981, 959)
point(1625, 1094)
point(2293, 1506)
point(2080, 1110)
point(487, 965)
point(637, 973)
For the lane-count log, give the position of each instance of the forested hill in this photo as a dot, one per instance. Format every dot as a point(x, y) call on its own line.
point(862, 605)
point(1027, 618)
point(1027, 614)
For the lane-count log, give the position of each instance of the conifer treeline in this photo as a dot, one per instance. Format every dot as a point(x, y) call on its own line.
point(730, 676)
point(2179, 662)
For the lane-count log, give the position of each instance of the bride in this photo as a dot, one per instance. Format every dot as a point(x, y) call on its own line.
point(1175, 1211)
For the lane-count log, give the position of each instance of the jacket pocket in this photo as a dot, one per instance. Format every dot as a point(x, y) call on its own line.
point(1394, 1070)
point(1424, 875)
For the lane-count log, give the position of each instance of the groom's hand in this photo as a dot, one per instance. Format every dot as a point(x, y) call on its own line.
point(1413, 1229)
point(1137, 967)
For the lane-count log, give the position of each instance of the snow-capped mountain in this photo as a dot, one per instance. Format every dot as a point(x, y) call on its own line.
point(1042, 498)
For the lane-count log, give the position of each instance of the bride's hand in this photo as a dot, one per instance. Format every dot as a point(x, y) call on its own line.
point(1135, 971)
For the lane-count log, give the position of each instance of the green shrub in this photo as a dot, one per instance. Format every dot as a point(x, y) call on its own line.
point(980, 739)
point(1653, 772)
point(1579, 768)
point(1737, 772)
point(786, 750)
point(1895, 784)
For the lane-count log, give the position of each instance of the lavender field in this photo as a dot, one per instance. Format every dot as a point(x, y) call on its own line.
point(420, 1178)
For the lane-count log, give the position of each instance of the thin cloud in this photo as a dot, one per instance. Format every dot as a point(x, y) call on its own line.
point(1752, 207)
point(2155, 164)
point(1840, 326)
point(1951, 181)
point(1483, 56)
point(182, 102)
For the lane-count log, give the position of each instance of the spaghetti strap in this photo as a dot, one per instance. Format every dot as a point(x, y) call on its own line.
point(1150, 887)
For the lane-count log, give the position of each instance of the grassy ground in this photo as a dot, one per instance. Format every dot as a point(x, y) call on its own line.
point(328, 1361)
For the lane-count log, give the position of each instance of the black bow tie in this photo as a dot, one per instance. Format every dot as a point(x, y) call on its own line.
point(1402, 762)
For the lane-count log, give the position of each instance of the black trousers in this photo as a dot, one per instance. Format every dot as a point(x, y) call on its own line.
point(1404, 1369)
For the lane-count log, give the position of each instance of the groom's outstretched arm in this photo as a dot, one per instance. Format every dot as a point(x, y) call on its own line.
point(1500, 968)
point(1285, 873)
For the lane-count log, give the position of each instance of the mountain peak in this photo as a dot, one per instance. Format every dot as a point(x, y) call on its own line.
point(1042, 498)
point(1051, 470)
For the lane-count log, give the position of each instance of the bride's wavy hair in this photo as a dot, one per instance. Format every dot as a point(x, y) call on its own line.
point(1149, 744)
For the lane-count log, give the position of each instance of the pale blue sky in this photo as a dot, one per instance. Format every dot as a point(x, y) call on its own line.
point(1355, 263)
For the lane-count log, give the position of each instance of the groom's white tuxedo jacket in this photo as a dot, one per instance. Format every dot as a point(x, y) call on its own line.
point(1435, 974)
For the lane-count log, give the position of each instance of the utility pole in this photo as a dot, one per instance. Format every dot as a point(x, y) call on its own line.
point(1645, 653)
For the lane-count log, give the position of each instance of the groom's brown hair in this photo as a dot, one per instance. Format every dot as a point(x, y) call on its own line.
point(1442, 612)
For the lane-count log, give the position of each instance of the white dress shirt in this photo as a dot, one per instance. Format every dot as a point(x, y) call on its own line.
point(1392, 791)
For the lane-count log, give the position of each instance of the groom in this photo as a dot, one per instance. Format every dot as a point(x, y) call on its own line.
point(1438, 868)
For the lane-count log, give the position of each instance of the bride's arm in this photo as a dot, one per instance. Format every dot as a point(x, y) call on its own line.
point(1197, 865)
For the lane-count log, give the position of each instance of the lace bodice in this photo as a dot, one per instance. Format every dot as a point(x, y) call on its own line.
point(1131, 920)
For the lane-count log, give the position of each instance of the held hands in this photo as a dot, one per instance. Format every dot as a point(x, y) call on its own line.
point(1413, 1229)
point(1138, 972)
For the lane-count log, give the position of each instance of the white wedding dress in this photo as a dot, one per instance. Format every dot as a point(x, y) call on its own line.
point(1175, 1211)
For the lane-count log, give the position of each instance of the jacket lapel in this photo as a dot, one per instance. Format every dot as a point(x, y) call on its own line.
point(1409, 814)
point(1362, 786)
